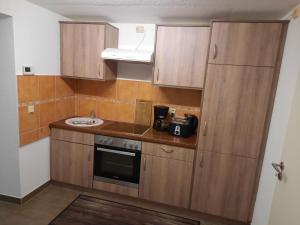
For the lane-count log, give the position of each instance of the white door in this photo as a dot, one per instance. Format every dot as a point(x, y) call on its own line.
point(286, 201)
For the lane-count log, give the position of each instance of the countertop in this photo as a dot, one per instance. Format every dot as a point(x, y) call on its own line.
point(150, 135)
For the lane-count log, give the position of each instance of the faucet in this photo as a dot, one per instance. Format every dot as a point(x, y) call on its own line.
point(93, 114)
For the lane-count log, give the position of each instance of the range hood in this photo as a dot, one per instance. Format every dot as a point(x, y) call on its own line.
point(127, 55)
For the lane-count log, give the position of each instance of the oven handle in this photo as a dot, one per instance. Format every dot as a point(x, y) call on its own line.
point(115, 151)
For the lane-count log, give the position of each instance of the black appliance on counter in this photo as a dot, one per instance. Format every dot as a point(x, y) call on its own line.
point(117, 160)
point(183, 126)
point(161, 120)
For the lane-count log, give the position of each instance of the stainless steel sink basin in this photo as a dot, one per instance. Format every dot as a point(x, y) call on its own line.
point(84, 122)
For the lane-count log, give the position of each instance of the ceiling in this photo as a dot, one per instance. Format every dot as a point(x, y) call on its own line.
point(155, 11)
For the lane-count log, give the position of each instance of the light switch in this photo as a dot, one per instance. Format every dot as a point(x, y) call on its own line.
point(31, 108)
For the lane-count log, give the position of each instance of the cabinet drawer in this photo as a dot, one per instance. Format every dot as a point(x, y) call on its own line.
point(72, 136)
point(167, 151)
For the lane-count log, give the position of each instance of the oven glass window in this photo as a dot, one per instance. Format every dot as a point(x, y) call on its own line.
point(116, 164)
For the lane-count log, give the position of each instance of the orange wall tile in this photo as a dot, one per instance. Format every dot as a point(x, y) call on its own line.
point(46, 87)
point(46, 93)
point(47, 113)
point(86, 105)
point(57, 98)
point(116, 100)
point(28, 121)
point(28, 88)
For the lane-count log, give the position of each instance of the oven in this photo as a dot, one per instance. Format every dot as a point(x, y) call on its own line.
point(117, 159)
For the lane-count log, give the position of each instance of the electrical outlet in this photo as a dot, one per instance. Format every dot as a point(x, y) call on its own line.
point(172, 111)
point(31, 108)
point(140, 29)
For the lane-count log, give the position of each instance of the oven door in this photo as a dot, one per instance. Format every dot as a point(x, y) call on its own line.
point(117, 164)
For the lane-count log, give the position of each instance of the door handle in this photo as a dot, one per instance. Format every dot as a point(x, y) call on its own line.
point(279, 168)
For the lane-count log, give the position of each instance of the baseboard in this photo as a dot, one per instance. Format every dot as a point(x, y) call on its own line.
point(10, 199)
point(26, 197)
point(34, 192)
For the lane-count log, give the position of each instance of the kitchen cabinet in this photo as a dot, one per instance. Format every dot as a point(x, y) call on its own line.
point(181, 56)
point(223, 185)
point(166, 174)
point(81, 47)
point(239, 92)
point(235, 106)
point(243, 43)
point(71, 162)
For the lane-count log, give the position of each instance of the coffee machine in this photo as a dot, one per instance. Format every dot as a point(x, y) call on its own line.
point(161, 120)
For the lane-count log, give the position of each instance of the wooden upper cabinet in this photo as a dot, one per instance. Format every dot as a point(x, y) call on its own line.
point(181, 56)
point(235, 106)
point(253, 44)
point(223, 185)
point(67, 49)
point(81, 47)
point(89, 43)
point(166, 174)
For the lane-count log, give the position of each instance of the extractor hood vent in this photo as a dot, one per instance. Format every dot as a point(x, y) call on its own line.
point(127, 55)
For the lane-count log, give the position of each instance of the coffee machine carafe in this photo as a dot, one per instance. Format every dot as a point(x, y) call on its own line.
point(161, 120)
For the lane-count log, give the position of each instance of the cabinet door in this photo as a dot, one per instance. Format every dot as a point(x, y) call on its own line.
point(223, 185)
point(72, 163)
point(181, 56)
point(165, 180)
point(235, 107)
point(67, 49)
point(89, 43)
point(254, 44)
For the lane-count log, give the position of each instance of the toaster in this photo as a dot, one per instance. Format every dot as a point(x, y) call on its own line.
point(183, 126)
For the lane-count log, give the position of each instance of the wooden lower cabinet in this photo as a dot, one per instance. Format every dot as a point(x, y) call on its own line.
point(166, 180)
point(72, 163)
point(223, 185)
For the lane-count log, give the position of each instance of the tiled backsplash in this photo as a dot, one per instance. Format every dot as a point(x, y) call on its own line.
point(116, 100)
point(56, 98)
point(53, 98)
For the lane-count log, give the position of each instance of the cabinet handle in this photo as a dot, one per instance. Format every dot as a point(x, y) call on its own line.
point(166, 150)
point(145, 164)
point(89, 156)
point(205, 128)
point(157, 75)
point(215, 52)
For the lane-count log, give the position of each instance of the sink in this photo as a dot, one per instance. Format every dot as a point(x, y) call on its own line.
point(84, 122)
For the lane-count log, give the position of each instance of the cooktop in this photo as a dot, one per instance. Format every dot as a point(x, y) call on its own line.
point(129, 128)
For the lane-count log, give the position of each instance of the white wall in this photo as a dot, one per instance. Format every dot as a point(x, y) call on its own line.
point(9, 156)
point(36, 38)
point(283, 102)
point(129, 39)
point(34, 165)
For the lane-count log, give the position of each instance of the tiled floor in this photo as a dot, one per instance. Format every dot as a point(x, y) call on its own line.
point(42, 208)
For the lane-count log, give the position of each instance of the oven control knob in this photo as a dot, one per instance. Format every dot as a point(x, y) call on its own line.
point(105, 141)
point(109, 141)
point(135, 147)
point(131, 146)
point(125, 145)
